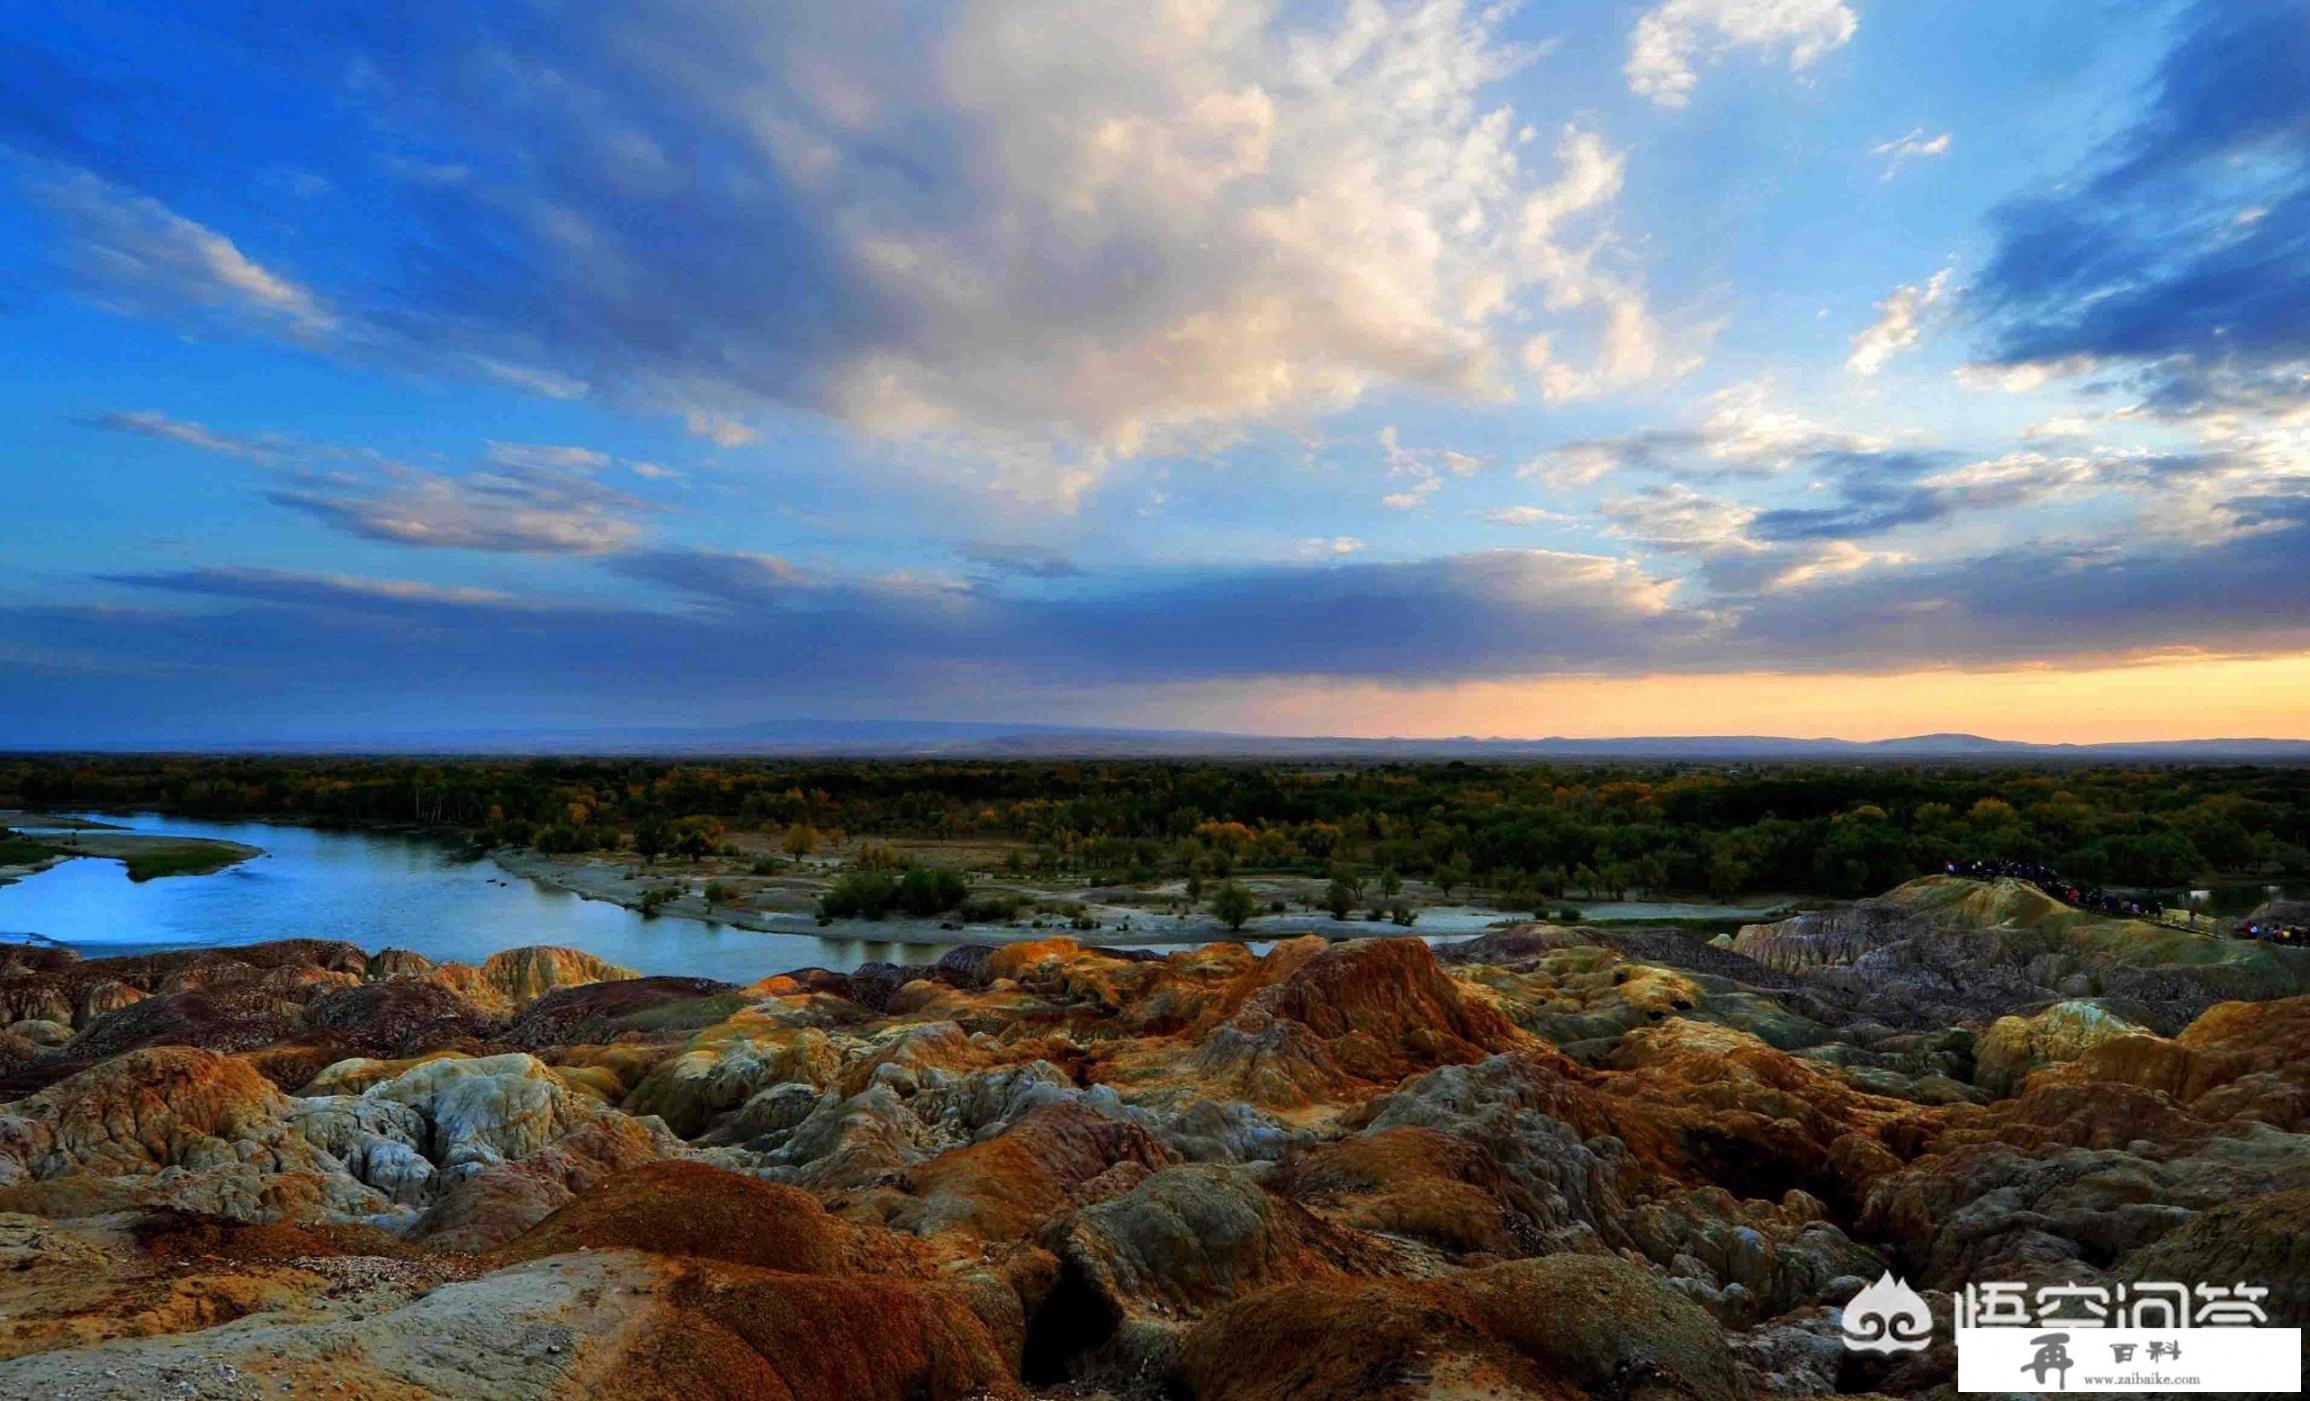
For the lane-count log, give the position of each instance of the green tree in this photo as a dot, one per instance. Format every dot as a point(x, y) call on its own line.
point(1452, 875)
point(1990, 812)
point(2224, 844)
point(2154, 858)
point(1728, 874)
point(926, 891)
point(1233, 904)
point(863, 894)
point(1617, 877)
point(697, 836)
point(651, 839)
point(1862, 856)
point(1652, 873)
point(1339, 897)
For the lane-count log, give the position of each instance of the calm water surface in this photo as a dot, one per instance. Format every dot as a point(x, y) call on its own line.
point(385, 890)
point(382, 890)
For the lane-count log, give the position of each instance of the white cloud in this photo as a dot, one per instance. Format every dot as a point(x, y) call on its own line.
point(143, 258)
point(722, 430)
point(1751, 434)
point(1337, 547)
point(1413, 496)
point(1525, 516)
point(1318, 211)
point(1671, 39)
point(1592, 459)
point(1898, 326)
point(522, 503)
point(148, 424)
point(2017, 479)
point(548, 456)
point(537, 381)
point(1426, 467)
point(1914, 146)
point(1745, 432)
point(1627, 348)
point(1046, 234)
point(331, 590)
point(2023, 376)
point(1837, 557)
point(2060, 426)
point(1678, 520)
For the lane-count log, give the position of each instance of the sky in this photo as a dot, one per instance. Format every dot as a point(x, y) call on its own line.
point(1821, 367)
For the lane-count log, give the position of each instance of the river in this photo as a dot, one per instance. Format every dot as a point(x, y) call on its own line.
point(390, 890)
point(385, 890)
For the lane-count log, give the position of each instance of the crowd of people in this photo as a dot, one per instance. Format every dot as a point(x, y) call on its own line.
point(2143, 906)
point(2068, 892)
point(2274, 932)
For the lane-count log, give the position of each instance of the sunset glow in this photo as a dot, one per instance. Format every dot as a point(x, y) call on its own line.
point(2050, 705)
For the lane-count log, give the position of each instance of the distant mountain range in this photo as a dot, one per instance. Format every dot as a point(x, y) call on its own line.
point(971, 739)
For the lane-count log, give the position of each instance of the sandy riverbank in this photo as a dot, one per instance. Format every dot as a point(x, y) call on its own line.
point(50, 822)
point(788, 904)
point(786, 901)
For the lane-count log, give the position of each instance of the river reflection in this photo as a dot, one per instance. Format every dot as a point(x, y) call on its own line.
point(382, 890)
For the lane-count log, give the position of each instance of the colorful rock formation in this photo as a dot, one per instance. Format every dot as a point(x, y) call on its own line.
point(1541, 1163)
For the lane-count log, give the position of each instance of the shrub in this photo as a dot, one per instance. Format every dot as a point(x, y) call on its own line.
point(926, 891)
point(561, 837)
point(801, 840)
point(859, 895)
point(697, 837)
point(1233, 904)
point(989, 909)
point(651, 838)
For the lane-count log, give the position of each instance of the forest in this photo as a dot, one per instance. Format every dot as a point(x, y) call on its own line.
point(1514, 829)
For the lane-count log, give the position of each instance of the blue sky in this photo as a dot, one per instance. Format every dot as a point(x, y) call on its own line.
point(1369, 368)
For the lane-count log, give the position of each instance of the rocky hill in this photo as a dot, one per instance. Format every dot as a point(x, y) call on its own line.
point(1542, 1163)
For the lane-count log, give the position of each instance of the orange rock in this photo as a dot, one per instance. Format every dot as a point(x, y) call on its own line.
point(729, 1331)
point(1009, 1185)
point(1342, 1023)
point(496, 1204)
point(1408, 1181)
point(1559, 1327)
point(706, 1213)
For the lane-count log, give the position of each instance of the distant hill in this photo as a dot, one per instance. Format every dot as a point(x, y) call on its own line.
point(980, 739)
